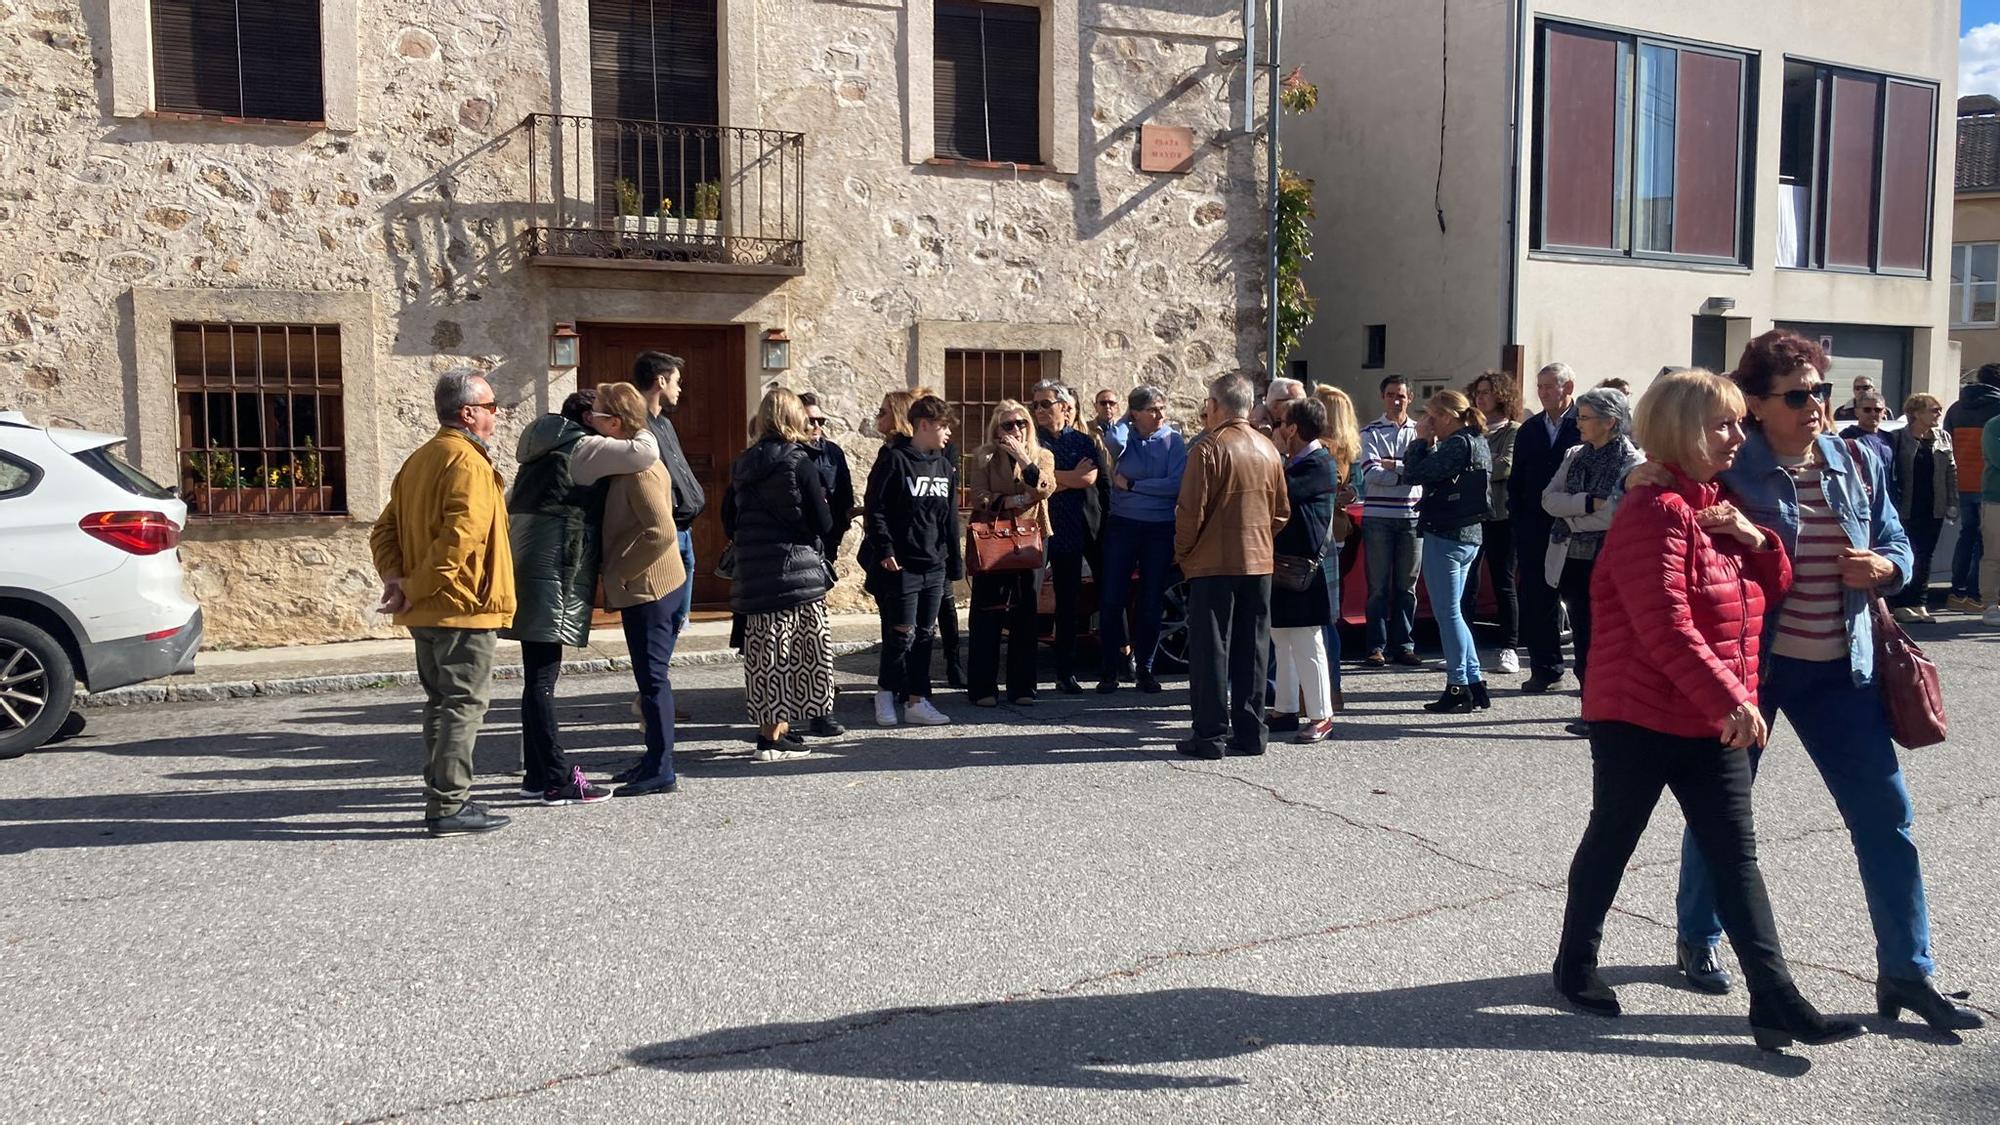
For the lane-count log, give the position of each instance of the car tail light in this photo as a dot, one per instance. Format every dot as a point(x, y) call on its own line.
point(140, 533)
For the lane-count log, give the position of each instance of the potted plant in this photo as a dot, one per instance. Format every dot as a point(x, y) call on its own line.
point(218, 481)
point(301, 485)
point(705, 217)
point(630, 217)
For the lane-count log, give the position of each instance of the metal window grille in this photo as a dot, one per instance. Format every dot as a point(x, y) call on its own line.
point(262, 434)
point(975, 383)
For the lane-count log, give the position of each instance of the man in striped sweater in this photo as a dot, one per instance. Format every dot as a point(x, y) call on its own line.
point(1389, 529)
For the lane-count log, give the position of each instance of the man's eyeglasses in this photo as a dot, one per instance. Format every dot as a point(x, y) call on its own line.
point(1044, 404)
point(1798, 399)
point(1868, 410)
point(1013, 424)
point(815, 423)
point(1107, 403)
point(491, 407)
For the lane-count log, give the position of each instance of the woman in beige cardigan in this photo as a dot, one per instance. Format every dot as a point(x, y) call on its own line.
point(643, 576)
point(1011, 475)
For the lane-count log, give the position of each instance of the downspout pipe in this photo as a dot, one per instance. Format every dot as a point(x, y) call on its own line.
point(1249, 66)
point(1510, 328)
point(1277, 26)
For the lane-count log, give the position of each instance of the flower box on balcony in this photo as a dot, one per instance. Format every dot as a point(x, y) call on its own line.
point(669, 226)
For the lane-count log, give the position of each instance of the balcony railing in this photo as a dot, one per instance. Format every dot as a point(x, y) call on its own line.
point(659, 195)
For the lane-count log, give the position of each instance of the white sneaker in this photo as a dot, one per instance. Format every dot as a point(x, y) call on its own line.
point(923, 714)
point(1924, 614)
point(885, 708)
point(1510, 661)
point(1991, 616)
point(1908, 615)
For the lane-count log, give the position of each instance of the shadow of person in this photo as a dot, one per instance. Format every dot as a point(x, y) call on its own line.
point(1111, 1041)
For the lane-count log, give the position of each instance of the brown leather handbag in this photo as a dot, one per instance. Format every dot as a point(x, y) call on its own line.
point(1002, 544)
point(1908, 680)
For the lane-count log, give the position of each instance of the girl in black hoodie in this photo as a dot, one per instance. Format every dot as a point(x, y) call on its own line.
point(910, 540)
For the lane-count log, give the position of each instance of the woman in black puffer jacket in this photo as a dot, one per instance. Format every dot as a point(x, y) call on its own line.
point(776, 516)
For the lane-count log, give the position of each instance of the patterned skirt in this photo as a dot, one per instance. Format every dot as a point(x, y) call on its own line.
point(788, 665)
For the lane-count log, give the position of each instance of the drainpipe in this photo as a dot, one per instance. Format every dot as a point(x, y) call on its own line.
point(1249, 66)
point(1511, 327)
point(1277, 25)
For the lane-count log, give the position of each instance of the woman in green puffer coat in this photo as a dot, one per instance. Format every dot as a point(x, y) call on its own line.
point(553, 512)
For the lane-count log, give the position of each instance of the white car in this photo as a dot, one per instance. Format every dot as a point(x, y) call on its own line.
point(90, 578)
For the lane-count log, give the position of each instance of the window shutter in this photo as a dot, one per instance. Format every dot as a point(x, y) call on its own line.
point(654, 60)
point(1850, 172)
point(988, 82)
point(1908, 129)
point(1580, 111)
point(258, 59)
point(1709, 112)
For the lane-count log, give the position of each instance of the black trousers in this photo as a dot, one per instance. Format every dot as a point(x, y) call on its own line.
point(1496, 557)
point(1630, 765)
point(541, 665)
point(1541, 607)
point(1066, 574)
point(1924, 532)
point(908, 605)
point(1003, 601)
point(1575, 593)
point(1229, 645)
point(947, 632)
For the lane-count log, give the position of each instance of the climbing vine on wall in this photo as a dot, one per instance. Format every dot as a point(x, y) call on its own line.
point(1295, 307)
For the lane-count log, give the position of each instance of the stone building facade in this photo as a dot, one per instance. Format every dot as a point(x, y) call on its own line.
point(223, 287)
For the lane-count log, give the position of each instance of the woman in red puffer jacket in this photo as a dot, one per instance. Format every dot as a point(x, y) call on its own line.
point(1678, 597)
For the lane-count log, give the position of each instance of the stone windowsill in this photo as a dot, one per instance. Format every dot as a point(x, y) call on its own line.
point(224, 119)
point(994, 166)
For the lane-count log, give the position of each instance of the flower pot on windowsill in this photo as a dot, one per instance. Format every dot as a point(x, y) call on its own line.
point(301, 500)
point(638, 224)
point(698, 228)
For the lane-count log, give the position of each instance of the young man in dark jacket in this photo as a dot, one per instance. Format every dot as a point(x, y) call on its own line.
point(910, 531)
point(657, 375)
point(1538, 450)
point(1978, 403)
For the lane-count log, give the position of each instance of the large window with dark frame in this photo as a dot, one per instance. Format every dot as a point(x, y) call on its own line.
point(1642, 145)
point(988, 77)
point(975, 382)
point(257, 59)
point(261, 428)
point(1855, 171)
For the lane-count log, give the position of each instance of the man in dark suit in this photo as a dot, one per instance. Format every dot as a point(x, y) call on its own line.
point(1537, 451)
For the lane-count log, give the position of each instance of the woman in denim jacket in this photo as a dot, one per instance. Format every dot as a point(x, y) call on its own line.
point(1840, 528)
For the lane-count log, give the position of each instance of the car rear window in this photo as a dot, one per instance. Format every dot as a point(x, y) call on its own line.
point(113, 468)
point(17, 478)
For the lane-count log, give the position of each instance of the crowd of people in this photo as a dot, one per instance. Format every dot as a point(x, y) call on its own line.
point(1715, 549)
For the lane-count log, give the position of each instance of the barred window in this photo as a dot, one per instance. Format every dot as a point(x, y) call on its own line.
point(975, 383)
point(261, 428)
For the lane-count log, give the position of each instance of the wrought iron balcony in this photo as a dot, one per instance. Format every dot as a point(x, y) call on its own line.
point(655, 195)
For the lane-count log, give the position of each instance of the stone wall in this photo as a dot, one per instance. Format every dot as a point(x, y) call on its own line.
point(422, 209)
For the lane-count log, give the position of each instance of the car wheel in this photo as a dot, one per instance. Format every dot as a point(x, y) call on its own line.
point(1171, 654)
point(37, 685)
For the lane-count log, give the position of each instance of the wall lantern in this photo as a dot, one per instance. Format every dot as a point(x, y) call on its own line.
point(777, 350)
point(563, 346)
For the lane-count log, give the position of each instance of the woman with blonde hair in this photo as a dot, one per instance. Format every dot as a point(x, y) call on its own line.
point(776, 516)
point(1342, 441)
point(1449, 458)
point(1011, 475)
point(643, 575)
point(1681, 582)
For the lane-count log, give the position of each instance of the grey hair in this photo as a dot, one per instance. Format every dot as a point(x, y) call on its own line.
point(1143, 396)
point(1283, 389)
point(1610, 403)
point(1233, 393)
point(1061, 390)
point(1561, 371)
point(454, 393)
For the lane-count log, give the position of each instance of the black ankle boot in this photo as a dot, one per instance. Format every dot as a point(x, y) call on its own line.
point(1919, 995)
point(1455, 701)
point(1779, 1015)
point(1480, 700)
point(1580, 985)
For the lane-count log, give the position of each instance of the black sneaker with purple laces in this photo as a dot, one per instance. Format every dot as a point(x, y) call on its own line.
point(576, 791)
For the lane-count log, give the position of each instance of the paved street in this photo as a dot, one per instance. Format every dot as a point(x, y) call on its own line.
point(226, 912)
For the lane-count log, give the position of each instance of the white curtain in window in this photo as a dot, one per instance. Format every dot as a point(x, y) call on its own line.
point(1793, 200)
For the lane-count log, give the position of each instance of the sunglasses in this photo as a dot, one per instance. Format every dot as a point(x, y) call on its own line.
point(1044, 404)
point(1798, 399)
point(1107, 402)
point(1015, 424)
point(815, 422)
point(492, 407)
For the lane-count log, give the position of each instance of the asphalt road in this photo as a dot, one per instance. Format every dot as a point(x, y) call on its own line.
point(227, 912)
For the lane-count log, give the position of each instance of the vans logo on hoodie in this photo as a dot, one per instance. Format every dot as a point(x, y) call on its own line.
point(930, 487)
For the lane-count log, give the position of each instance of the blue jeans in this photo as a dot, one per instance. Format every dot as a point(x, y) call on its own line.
point(686, 592)
point(1447, 565)
point(1390, 552)
point(1148, 548)
point(1970, 549)
point(650, 636)
point(1846, 733)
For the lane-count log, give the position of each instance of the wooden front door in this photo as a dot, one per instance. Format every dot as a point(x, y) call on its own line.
point(710, 420)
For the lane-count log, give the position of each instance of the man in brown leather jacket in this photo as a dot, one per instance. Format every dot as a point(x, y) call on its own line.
point(1232, 503)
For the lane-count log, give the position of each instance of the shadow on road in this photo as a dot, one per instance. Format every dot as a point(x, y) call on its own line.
point(1108, 1041)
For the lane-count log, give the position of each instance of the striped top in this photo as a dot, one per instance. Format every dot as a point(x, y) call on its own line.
point(1383, 493)
point(1811, 623)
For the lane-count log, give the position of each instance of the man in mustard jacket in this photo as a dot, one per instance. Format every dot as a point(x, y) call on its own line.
point(448, 574)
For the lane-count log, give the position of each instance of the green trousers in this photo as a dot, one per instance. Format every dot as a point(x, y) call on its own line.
point(456, 669)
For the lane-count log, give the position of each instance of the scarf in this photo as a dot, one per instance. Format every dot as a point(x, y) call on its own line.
point(1598, 471)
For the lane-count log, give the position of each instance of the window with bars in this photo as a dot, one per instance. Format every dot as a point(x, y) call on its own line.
point(238, 58)
point(975, 383)
point(261, 427)
point(988, 82)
